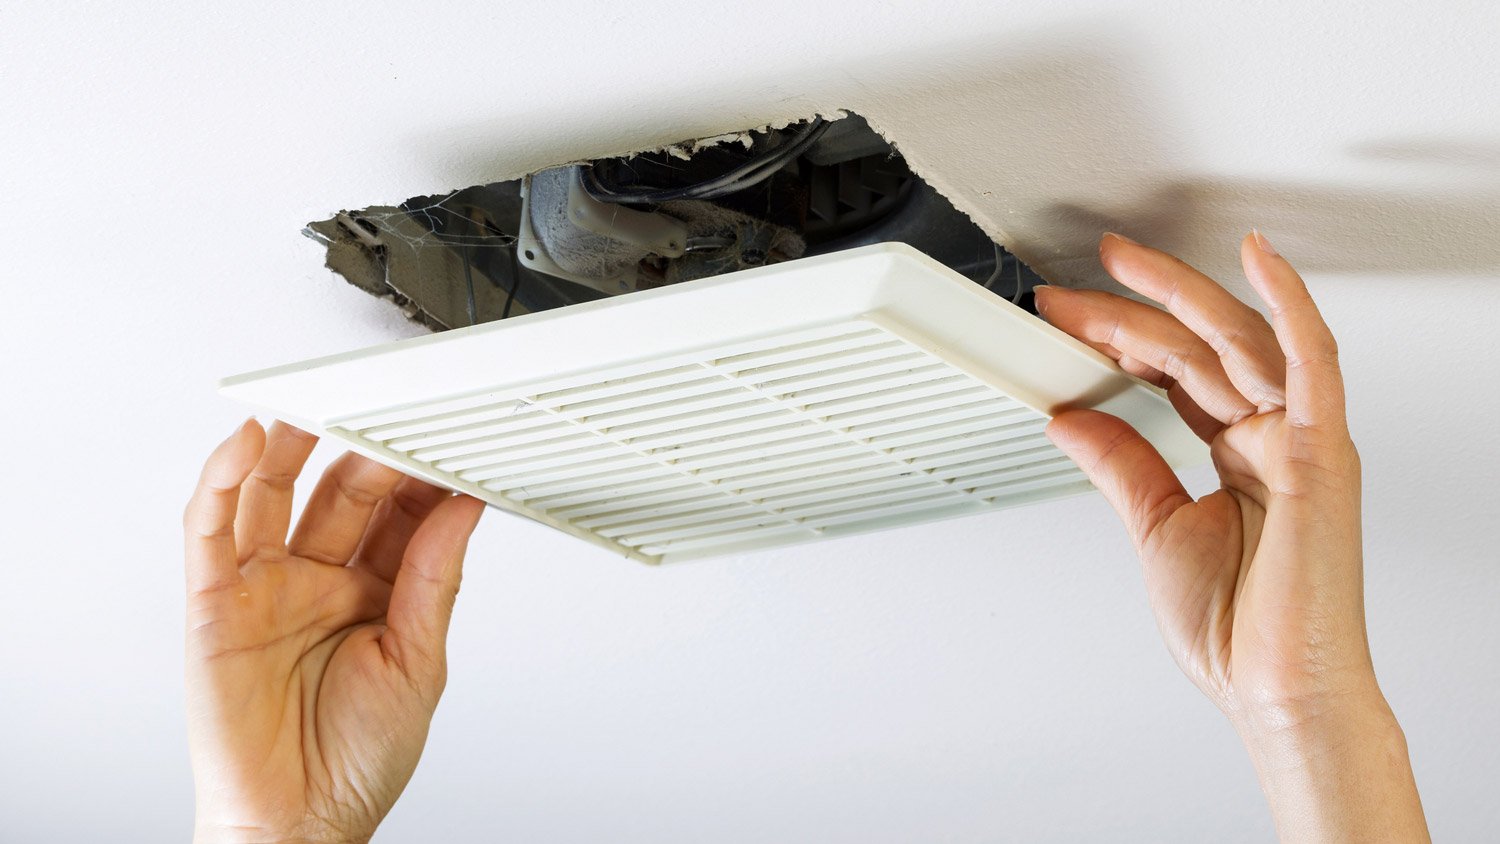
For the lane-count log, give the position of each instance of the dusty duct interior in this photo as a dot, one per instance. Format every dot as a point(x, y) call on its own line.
point(612, 226)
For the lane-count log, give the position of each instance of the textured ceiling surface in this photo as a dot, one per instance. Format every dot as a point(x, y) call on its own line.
point(997, 678)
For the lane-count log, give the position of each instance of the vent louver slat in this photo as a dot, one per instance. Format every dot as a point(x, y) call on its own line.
point(862, 395)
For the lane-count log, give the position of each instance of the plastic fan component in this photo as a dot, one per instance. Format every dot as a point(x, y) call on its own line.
point(801, 401)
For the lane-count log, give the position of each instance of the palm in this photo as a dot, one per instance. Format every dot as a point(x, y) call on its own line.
point(1199, 564)
point(306, 696)
point(296, 647)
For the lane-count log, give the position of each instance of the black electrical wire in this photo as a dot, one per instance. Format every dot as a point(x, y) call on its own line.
point(747, 175)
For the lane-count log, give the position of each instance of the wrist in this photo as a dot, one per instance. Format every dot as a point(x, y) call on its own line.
point(1320, 737)
point(1279, 704)
point(1312, 717)
point(1334, 768)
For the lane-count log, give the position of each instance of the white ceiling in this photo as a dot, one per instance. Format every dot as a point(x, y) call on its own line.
point(993, 678)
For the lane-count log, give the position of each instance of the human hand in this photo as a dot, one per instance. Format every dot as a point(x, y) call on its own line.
point(1257, 587)
point(313, 665)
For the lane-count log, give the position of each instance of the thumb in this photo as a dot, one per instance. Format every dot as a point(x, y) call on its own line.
point(1130, 472)
point(426, 587)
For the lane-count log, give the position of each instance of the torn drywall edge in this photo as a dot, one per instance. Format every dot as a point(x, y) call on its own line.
point(523, 167)
point(959, 199)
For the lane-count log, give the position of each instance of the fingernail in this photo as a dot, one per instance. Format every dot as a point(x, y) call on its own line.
point(1041, 292)
point(1121, 237)
point(1265, 245)
point(242, 427)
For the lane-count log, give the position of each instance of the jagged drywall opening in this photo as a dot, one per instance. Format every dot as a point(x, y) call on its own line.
point(609, 225)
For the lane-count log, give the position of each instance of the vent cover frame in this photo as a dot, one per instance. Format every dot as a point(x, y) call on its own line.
point(844, 361)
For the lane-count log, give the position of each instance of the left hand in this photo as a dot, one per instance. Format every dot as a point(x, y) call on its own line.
point(313, 664)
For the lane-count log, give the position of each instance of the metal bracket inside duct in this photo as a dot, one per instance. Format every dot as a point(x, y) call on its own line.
point(567, 233)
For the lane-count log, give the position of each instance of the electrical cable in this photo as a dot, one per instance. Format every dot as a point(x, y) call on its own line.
point(989, 283)
point(746, 175)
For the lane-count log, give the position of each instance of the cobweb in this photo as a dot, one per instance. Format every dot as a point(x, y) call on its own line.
point(447, 260)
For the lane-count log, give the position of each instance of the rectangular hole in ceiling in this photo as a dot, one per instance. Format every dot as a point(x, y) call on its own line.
point(612, 226)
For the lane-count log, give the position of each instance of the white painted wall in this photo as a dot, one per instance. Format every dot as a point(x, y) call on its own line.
point(997, 678)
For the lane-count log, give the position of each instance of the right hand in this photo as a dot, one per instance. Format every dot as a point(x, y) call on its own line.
point(1257, 587)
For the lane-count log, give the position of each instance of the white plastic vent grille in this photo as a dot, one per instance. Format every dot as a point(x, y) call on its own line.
point(825, 430)
point(801, 432)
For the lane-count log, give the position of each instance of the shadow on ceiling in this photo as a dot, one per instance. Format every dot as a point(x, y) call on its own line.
point(1322, 229)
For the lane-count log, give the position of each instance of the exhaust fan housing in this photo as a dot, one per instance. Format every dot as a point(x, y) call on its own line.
point(799, 401)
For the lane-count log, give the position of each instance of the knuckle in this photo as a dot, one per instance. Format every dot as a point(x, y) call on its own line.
point(350, 489)
point(278, 481)
point(1225, 339)
point(1172, 293)
point(1247, 337)
point(1320, 355)
point(1314, 469)
point(1177, 362)
point(1109, 330)
point(411, 504)
point(1292, 302)
point(1115, 443)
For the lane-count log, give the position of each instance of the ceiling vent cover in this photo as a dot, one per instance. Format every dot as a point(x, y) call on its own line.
point(805, 400)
